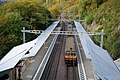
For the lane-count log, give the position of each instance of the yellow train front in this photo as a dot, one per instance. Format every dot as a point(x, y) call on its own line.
point(70, 53)
point(70, 57)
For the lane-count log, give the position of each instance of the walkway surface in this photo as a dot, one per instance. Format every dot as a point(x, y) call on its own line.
point(33, 64)
point(89, 70)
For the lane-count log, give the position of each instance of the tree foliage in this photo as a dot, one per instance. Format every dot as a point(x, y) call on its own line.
point(89, 19)
point(30, 14)
point(102, 12)
point(54, 10)
point(15, 15)
point(107, 15)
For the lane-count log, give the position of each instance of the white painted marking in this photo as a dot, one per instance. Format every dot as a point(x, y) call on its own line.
point(29, 76)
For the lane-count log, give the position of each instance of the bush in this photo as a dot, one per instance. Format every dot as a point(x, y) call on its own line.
point(89, 19)
point(81, 16)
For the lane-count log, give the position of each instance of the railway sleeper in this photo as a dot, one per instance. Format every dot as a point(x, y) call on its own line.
point(71, 62)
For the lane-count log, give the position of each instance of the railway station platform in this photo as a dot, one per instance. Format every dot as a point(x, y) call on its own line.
point(29, 72)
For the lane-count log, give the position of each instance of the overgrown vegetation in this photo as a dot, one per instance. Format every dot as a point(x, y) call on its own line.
point(15, 15)
point(108, 15)
point(99, 14)
point(89, 19)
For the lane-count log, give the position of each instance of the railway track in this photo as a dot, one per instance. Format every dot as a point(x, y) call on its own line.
point(50, 72)
point(56, 69)
point(52, 66)
point(72, 73)
point(81, 68)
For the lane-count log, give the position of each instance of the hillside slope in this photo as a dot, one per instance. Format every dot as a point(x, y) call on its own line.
point(103, 14)
point(107, 17)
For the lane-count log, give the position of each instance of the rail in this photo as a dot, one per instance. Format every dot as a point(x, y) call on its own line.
point(41, 67)
point(81, 68)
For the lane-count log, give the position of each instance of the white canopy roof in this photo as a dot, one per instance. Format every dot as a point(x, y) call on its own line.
point(31, 48)
point(41, 39)
point(117, 62)
point(103, 64)
point(83, 36)
point(14, 55)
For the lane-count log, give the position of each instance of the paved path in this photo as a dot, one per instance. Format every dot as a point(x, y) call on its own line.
point(88, 65)
point(32, 67)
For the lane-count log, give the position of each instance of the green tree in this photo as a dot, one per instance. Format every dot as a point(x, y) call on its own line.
point(10, 32)
point(15, 15)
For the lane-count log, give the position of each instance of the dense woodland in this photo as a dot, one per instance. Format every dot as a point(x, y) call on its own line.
point(16, 15)
point(98, 14)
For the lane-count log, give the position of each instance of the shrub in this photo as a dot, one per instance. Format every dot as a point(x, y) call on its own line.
point(89, 19)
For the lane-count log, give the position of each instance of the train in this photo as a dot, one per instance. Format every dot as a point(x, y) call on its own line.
point(70, 53)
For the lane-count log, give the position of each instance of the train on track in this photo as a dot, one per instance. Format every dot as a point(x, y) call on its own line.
point(70, 53)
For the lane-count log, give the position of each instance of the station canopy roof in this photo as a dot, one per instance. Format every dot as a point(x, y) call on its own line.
point(83, 36)
point(28, 49)
point(104, 66)
point(14, 55)
point(41, 39)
